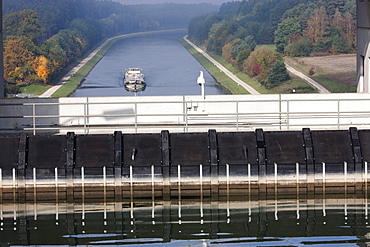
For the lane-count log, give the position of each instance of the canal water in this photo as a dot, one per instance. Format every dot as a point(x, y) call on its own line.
point(335, 221)
point(168, 67)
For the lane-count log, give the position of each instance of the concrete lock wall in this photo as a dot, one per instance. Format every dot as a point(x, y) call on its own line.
point(188, 164)
point(279, 112)
point(363, 51)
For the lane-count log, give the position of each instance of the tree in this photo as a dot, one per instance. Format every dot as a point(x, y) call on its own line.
point(26, 23)
point(286, 30)
point(41, 66)
point(317, 30)
point(277, 74)
point(299, 48)
point(240, 45)
point(17, 60)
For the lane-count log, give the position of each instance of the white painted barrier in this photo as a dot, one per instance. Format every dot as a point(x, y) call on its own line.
point(186, 113)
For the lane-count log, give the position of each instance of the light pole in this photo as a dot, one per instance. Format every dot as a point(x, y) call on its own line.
point(201, 81)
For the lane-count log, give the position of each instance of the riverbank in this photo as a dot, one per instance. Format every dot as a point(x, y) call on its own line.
point(234, 80)
point(71, 81)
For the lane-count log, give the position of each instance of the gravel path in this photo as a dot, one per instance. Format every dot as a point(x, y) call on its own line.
point(310, 81)
point(223, 69)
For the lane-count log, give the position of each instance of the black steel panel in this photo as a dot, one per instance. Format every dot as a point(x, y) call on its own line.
point(47, 151)
point(237, 148)
point(189, 149)
point(284, 147)
point(142, 150)
point(332, 146)
point(8, 151)
point(95, 151)
point(365, 144)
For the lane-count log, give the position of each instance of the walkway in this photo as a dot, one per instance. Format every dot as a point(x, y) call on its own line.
point(65, 78)
point(223, 69)
point(310, 81)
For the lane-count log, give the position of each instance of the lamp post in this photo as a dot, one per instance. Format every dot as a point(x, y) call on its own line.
point(201, 81)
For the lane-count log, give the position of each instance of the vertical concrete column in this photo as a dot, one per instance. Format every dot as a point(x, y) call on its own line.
point(310, 160)
point(1, 53)
point(357, 159)
point(21, 167)
point(118, 166)
point(165, 139)
point(70, 164)
point(214, 163)
point(261, 156)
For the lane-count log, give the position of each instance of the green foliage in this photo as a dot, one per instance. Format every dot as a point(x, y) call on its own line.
point(300, 48)
point(43, 38)
point(240, 45)
point(23, 24)
point(329, 25)
point(287, 29)
point(277, 74)
point(242, 56)
point(12, 89)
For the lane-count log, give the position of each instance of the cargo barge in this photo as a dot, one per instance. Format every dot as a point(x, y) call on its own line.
point(133, 76)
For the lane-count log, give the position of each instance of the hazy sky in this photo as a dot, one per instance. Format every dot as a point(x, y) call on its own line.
point(216, 2)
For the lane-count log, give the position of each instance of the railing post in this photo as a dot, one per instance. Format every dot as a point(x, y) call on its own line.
point(287, 114)
point(280, 111)
point(85, 118)
point(34, 118)
point(338, 114)
point(135, 117)
point(237, 115)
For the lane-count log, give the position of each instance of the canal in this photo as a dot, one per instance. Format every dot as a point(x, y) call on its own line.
point(168, 67)
point(320, 221)
point(94, 218)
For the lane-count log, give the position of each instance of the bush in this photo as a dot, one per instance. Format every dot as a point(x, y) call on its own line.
point(11, 89)
point(300, 48)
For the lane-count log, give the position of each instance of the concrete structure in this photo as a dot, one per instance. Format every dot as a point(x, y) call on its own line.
point(208, 164)
point(363, 46)
point(2, 93)
point(186, 113)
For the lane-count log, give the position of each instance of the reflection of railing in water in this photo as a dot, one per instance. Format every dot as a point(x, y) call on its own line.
point(277, 222)
point(93, 183)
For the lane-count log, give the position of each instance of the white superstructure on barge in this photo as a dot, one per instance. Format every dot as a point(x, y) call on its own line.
point(134, 76)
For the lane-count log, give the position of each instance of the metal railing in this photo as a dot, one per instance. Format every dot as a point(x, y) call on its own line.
point(185, 115)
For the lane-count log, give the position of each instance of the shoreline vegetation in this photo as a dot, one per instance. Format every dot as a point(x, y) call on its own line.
point(296, 84)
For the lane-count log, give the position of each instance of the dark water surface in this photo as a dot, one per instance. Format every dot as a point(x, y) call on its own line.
point(192, 223)
point(168, 67)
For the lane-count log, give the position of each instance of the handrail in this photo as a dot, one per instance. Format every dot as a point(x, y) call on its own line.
point(188, 115)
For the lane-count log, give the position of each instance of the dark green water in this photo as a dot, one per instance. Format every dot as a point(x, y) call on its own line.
point(292, 222)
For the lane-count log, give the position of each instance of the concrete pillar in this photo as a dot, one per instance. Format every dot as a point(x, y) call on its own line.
point(1, 52)
point(363, 46)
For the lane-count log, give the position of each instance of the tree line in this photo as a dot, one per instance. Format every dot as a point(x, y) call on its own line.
point(296, 27)
point(41, 39)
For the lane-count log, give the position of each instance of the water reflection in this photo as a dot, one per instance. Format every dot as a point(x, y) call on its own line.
point(189, 222)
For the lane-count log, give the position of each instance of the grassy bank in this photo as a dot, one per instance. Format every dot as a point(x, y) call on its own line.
point(330, 84)
point(294, 85)
point(219, 76)
point(72, 84)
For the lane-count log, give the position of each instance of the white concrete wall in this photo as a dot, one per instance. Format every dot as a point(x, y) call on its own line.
point(275, 112)
point(363, 44)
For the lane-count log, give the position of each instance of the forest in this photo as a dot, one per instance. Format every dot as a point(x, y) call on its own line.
point(296, 27)
point(41, 39)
